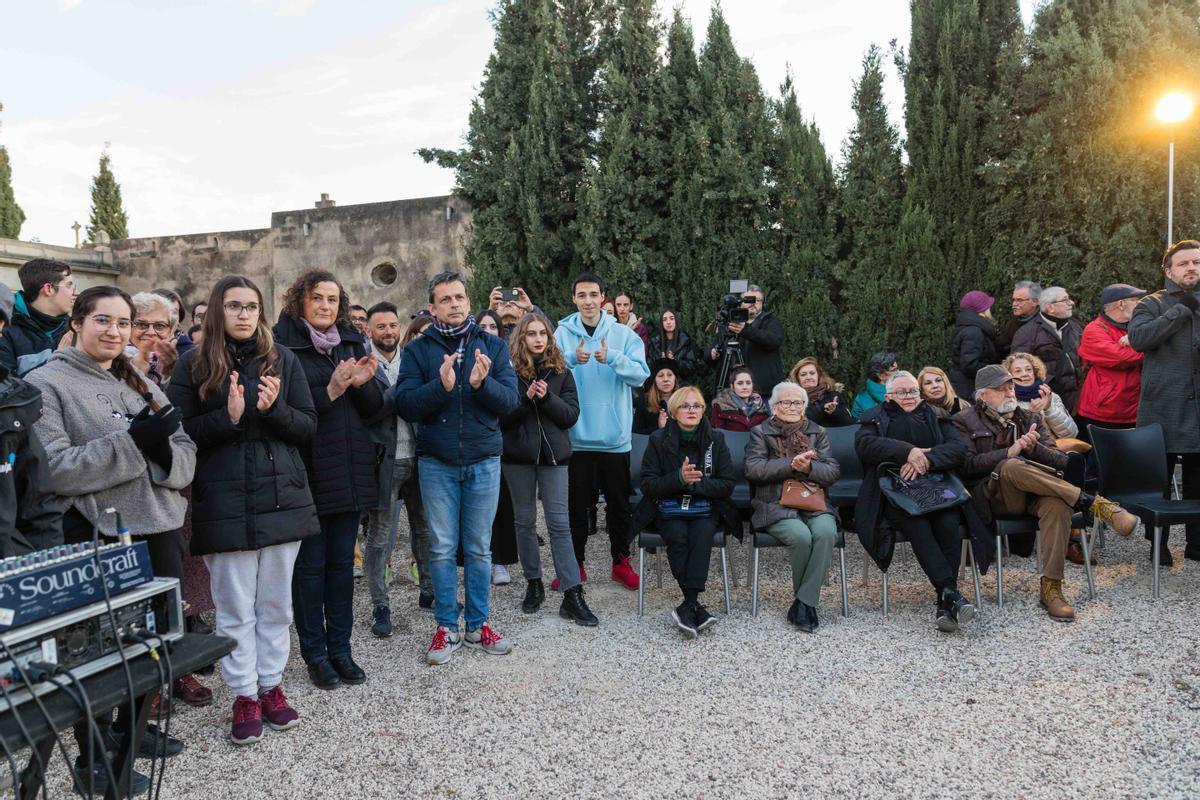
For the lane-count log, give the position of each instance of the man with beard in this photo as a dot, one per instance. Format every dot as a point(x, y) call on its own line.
point(395, 473)
point(1053, 336)
point(1006, 445)
point(1164, 327)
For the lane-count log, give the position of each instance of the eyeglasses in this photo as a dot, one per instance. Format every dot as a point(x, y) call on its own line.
point(906, 393)
point(141, 325)
point(104, 322)
point(66, 283)
point(236, 308)
point(692, 407)
point(1067, 300)
point(790, 403)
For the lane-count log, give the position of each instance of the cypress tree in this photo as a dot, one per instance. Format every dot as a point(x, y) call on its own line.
point(624, 198)
point(11, 215)
point(869, 203)
point(1081, 194)
point(951, 77)
point(108, 214)
point(527, 148)
point(802, 227)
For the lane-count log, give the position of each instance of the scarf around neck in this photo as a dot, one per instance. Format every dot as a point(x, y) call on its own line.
point(795, 440)
point(1026, 394)
point(323, 341)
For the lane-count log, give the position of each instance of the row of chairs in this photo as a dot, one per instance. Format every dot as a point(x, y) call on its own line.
point(1132, 467)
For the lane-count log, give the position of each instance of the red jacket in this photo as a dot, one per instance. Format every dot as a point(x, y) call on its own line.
point(1114, 381)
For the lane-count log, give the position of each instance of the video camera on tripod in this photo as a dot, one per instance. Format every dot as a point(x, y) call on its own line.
point(732, 310)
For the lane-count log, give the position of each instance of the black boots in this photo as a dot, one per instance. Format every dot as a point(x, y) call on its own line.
point(575, 608)
point(535, 595)
point(347, 670)
point(803, 616)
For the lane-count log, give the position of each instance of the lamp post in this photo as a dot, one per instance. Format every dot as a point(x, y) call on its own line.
point(1172, 109)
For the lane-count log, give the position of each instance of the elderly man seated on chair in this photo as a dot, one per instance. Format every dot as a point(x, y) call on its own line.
point(1016, 470)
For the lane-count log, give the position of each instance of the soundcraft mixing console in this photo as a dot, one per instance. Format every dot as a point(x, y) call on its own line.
point(53, 609)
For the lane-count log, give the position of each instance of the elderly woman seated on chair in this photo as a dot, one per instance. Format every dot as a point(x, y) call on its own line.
point(788, 460)
point(687, 478)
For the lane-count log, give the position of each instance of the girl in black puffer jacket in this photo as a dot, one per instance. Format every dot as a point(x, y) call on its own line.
point(246, 405)
point(536, 450)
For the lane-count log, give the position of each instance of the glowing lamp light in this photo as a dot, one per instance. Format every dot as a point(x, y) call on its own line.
point(1174, 108)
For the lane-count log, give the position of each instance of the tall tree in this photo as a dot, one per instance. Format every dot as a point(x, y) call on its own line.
point(623, 212)
point(11, 215)
point(108, 213)
point(951, 76)
point(802, 230)
point(1081, 193)
point(529, 141)
point(869, 206)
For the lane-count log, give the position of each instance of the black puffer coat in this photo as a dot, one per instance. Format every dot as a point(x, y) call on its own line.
point(30, 514)
point(973, 347)
point(660, 475)
point(251, 486)
point(874, 447)
point(536, 431)
point(343, 459)
point(682, 349)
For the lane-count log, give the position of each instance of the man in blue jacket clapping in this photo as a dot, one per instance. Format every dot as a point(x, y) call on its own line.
point(455, 383)
point(607, 359)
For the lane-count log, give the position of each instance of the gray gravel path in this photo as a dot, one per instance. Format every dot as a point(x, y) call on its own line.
point(1015, 706)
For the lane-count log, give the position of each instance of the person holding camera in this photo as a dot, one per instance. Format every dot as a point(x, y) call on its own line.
point(760, 338)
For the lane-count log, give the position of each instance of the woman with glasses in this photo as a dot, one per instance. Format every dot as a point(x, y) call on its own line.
point(687, 478)
point(343, 468)
point(790, 446)
point(154, 350)
point(909, 437)
point(246, 404)
point(113, 441)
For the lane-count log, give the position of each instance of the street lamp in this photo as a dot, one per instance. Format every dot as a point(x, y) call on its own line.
point(1173, 109)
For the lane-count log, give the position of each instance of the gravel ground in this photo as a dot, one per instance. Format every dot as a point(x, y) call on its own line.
point(1014, 706)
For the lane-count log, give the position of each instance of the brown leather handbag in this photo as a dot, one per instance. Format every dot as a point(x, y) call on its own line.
point(803, 496)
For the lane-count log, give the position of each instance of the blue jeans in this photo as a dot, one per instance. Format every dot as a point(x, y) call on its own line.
point(460, 504)
point(323, 588)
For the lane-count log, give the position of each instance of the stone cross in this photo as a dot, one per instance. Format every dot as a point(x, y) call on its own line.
point(76, 228)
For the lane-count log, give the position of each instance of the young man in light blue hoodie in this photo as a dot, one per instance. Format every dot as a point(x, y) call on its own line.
point(607, 360)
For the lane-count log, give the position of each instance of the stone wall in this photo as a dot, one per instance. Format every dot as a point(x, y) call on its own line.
point(89, 267)
point(380, 251)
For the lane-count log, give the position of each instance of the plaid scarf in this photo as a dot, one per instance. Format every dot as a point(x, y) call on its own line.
point(460, 332)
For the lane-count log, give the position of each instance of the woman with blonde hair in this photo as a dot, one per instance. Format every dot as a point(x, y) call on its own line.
point(687, 478)
point(1034, 394)
point(537, 448)
point(938, 391)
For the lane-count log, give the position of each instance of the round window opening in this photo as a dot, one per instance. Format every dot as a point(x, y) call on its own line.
point(384, 275)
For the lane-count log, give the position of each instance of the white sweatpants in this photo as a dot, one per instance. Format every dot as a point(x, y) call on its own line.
point(253, 594)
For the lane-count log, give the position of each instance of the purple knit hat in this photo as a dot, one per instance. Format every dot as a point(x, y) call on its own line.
point(976, 301)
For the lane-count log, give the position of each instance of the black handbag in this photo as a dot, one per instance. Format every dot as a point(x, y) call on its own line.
point(925, 494)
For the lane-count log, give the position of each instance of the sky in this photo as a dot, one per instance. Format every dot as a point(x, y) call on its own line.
point(218, 112)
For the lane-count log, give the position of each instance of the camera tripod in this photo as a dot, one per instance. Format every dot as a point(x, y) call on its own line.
point(731, 356)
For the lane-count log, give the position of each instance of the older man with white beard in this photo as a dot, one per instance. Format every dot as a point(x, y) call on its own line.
point(1014, 471)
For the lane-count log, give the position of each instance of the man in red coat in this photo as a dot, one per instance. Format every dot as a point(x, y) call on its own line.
point(1109, 398)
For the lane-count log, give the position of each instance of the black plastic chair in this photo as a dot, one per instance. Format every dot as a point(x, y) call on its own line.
point(1133, 472)
point(649, 540)
point(761, 539)
point(844, 493)
point(966, 537)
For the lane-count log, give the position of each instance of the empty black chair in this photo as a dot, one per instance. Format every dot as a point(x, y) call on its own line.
point(1133, 472)
point(844, 493)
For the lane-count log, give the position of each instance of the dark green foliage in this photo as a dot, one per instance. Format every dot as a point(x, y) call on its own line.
point(108, 214)
point(1081, 193)
point(869, 207)
point(11, 215)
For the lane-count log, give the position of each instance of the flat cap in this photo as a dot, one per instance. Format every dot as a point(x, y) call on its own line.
point(993, 376)
point(1119, 291)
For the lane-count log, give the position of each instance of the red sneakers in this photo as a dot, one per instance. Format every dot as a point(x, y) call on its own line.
point(247, 721)
point(622, 572)
point(582, 579)
point(275, 710)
